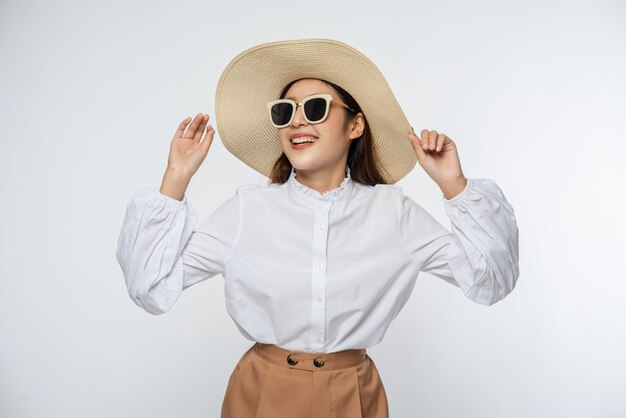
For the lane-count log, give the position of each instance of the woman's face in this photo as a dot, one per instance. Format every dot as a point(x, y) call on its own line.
point(329, 152)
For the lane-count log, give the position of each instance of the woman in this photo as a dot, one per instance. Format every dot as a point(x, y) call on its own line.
point(318, 262)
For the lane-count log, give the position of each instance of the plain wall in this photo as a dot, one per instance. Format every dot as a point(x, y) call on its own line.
point(533, 93)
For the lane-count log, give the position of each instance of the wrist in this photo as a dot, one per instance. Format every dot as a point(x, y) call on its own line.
point(177, 172)
point(175, 182)
point(453, 187)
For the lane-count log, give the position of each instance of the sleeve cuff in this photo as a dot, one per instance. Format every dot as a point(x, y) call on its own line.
point(170, 201)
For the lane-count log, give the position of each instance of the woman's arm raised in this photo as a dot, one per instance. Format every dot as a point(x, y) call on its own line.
point(159, 250)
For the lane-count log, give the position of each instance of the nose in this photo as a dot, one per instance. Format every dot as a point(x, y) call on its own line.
point(298, 117)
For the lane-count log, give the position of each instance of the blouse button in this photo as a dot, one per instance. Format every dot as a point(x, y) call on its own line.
point(291, 359)
point(319, 299)
point(321, 226)
point(318, 361)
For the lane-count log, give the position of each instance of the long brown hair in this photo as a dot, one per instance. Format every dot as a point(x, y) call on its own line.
point(360, 155)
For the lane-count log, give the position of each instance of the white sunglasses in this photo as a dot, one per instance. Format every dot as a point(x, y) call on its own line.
point(314, 108)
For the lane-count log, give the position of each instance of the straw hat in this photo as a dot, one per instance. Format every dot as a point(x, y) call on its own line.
point(258, 75)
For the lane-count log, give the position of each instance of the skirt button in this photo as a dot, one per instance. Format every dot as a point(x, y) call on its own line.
point(291, 359)
point(318, 361)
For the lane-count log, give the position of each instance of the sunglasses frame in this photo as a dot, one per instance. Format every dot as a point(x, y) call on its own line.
point(294, 106)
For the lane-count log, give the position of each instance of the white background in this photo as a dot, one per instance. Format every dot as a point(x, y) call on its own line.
point(533, 93)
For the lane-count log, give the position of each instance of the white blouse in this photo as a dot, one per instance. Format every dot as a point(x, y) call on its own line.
point(318, 272)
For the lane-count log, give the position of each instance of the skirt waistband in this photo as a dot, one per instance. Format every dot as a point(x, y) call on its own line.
point(310, 361)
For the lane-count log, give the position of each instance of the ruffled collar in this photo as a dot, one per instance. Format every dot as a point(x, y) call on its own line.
point(312, 197)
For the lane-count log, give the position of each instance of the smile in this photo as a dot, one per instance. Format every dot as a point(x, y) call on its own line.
point(302, 139)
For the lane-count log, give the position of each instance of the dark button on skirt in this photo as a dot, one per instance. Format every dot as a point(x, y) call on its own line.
point(270, 382)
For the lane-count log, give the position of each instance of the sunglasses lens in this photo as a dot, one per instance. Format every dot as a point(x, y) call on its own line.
point(315, 109)
point(281, 113)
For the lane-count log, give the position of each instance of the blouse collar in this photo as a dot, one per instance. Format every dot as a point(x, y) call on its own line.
point(311, 197)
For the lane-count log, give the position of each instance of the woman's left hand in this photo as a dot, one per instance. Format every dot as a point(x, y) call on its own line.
point(437, 155)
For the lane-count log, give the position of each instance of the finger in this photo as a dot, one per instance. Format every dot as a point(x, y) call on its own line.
point(203, 122)
point(441, 139)
point(424, 139)
point(181, 128)
point(208, 139)
point(191, 131)
point(432, 139)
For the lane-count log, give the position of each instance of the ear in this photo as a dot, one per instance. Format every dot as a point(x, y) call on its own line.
point(357, 126)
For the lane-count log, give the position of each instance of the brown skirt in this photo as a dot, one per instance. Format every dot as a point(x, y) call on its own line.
point(272, 382)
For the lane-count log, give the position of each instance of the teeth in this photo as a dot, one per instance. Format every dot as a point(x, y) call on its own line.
point(303, 139)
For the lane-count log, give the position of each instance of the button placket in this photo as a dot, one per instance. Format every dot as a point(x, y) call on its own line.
point(318, 277)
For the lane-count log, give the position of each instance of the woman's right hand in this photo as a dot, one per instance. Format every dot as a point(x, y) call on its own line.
point(188, 150)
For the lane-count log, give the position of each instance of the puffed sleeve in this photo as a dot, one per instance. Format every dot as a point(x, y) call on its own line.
point(481, 254)
point(161, 252)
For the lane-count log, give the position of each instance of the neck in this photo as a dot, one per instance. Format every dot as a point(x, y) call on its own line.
point(321, 180)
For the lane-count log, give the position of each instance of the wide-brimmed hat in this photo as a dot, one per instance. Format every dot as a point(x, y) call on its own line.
point(258, 75)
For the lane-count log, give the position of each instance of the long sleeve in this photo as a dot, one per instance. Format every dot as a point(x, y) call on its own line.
point(481, 254)
point(161, 253)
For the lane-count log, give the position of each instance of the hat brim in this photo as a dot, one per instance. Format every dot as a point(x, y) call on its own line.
point(258, 75)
